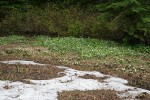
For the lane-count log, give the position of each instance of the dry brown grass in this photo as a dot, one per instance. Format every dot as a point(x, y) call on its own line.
point(87, 76)
point(88, 95)
point(26, 72)
point(143, 96)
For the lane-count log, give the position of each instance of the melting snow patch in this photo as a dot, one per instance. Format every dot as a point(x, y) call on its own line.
point(21, 62)
point(48, 89)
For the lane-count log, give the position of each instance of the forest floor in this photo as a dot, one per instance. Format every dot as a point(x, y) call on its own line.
point(128, 62)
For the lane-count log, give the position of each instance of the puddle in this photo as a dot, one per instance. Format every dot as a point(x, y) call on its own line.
point(72, 80)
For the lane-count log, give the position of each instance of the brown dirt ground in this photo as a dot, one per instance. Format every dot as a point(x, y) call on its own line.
point(88, 95)
point(25, 72)
point(87, 76)
point(143, 96)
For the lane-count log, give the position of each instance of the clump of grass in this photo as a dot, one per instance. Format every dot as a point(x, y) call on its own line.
point(15, 51)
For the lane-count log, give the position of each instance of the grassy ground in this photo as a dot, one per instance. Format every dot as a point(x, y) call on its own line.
point(129, 62)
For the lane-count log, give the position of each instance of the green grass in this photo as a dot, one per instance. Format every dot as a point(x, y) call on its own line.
point(85, 47)
point(89, 48)
point(12, 40)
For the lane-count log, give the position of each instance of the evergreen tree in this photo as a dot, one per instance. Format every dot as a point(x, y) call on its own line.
point(131, 17)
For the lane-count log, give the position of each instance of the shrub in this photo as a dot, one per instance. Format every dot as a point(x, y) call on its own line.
point(51, 21)
point(73, 21)
point(34, 21)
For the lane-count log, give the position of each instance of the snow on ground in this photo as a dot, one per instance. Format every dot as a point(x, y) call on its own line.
point(21, 62)
point(48, 89)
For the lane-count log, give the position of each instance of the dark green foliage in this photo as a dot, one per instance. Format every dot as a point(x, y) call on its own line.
point(131, 17)
point(50, 21)
point(12, 3)
point(8, 5)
